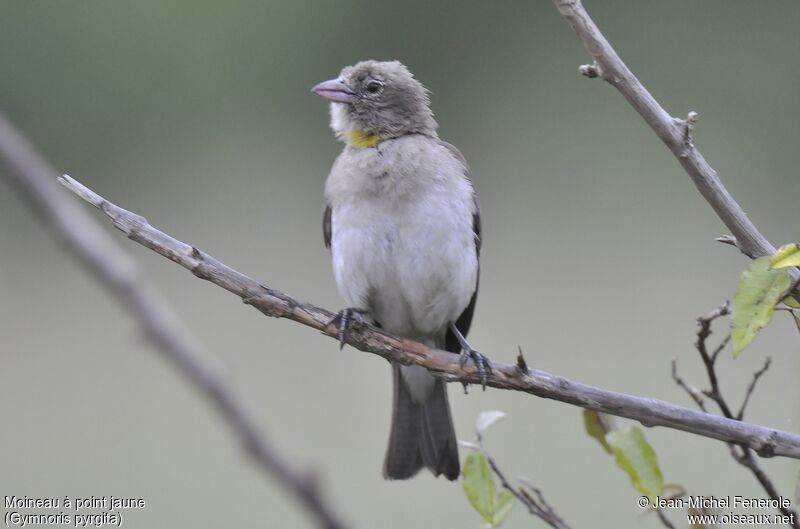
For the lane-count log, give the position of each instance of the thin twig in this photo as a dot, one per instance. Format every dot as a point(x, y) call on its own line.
point(740, 453)
point(751, 387)
point(693, 392)
point(664, 520)
point(536, 506)
point(722, 345)
point(36, 181)
point(709, 360)
point(650, 412)
point(539, 498)
point(727, 239)
point(796, 319)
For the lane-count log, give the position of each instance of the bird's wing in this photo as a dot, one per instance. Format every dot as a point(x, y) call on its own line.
point(465, 319)
point(476, 217)
point(326, 226)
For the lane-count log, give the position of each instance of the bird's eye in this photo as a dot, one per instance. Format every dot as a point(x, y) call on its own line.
point(374, 87)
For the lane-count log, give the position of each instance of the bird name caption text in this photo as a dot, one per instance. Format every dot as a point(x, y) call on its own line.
point(92, 511)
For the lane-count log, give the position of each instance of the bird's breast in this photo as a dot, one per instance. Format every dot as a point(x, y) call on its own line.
point(411, 263)
point(402, 240)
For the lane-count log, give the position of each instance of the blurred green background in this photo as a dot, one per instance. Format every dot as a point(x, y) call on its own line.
point(598, 251)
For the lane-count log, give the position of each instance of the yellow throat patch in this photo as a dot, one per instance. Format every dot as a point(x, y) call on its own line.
point(361, 139)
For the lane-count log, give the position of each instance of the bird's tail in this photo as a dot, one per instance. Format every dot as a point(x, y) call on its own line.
point(422, 433)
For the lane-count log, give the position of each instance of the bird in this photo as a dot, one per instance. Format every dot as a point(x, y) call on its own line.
point(403, 227)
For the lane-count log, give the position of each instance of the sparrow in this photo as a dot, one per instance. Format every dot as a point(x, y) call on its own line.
point(403, 227)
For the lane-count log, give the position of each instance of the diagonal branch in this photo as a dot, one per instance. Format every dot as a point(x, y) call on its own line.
point(751, 387)
point(677, 136)
point(84, 236)
point(532, 499)
point(674, 132)
point(650, 412)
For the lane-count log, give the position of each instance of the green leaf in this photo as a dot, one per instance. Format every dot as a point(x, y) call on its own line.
point(596, 425)
point(480, 490)
point(787, 255)
point(759, 290)
point(479, 485)
point(502, 506)
point(636, 457)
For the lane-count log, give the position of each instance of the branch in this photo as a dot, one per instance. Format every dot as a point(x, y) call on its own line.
point(709, 360)
point(751, 387)
point(767, 442)
point(741, 453)
point(526, 493)
point(35, 180)
point(677, 136)
point(674, 132)
point(532, 499)
point(664, 520)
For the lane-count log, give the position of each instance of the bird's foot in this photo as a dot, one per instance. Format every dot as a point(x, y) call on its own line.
point(481, 362)
point(347, 317)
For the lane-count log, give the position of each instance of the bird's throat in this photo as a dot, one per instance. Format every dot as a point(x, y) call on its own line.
point(362, 139)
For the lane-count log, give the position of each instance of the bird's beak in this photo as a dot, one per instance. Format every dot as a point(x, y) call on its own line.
point(334, 90)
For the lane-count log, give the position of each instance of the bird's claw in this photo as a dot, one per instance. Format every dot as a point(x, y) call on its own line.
point(346, 317)
point(482, 363)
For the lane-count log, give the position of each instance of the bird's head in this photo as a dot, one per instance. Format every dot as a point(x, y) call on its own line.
point(373, 101)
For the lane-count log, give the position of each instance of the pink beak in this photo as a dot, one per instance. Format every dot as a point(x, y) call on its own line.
point(334, 90)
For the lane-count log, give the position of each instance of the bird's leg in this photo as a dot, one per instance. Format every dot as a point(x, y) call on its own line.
point(481, 362)
point(345, 317)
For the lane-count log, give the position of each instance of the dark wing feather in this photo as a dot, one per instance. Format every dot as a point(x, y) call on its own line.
point(476, 227)
point(326, 226)
point(465, 319)
point(462, 324)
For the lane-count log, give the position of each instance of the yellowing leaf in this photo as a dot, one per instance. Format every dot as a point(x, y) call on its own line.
point(596, 426)
point(759, 290)
point(787, 255)
point(636, 457)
